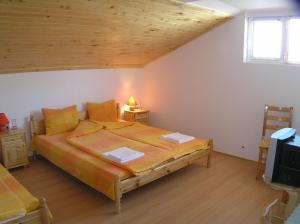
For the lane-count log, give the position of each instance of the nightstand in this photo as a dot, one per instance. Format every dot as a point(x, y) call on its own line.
point(137, 115)
point(13, 148)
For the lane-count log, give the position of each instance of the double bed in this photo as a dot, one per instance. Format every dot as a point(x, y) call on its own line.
point(108, 178)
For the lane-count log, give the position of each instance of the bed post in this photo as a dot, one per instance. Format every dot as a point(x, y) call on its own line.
point(118, 110)
point(210, 148)
point(31, 127)
point(44, 211)
point(118, 194)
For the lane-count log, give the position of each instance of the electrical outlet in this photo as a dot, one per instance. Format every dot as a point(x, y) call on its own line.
point(14, 124)
point(243, 147)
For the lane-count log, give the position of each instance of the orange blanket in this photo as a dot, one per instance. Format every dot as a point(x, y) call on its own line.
point(151, 135)
point(97, 142)
point(93, 171)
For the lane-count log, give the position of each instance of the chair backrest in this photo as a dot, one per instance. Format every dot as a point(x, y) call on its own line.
point(276, 118)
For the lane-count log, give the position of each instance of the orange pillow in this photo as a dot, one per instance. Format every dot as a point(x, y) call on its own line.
point(106, 111)
point(60, 120)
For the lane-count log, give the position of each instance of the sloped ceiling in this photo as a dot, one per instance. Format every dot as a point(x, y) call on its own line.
point(74, 34)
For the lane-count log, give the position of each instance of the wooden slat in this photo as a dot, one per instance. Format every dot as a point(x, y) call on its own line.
point(38, 35)
point(277, 118)
point(280, 109)
point(274, 127)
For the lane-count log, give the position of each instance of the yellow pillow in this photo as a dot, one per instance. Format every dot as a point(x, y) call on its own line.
point(106, 111)
point(60, 120)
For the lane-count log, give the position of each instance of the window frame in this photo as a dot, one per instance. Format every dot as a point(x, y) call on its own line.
point(288, 19)
point(249, 32)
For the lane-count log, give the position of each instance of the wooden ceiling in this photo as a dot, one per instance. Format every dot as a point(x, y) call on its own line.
point(43, 35)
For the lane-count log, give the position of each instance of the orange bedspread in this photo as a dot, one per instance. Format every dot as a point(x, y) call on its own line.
point(82, 158)
point(151, 135)
point(103, 141)
point(91, 170)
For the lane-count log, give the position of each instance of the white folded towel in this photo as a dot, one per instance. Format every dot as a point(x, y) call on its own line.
point(122, 155)
point(177, 138)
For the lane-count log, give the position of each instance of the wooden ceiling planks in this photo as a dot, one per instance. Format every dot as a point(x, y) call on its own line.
point(39, 35)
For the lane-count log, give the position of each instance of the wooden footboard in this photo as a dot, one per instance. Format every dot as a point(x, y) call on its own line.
point(132, 183)
point(39, 216)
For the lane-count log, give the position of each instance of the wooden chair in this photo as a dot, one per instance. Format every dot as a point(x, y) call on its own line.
point(275, 118)
point(273, 213)
point(278, 212)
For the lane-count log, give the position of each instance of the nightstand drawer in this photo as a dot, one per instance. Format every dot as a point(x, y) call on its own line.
point(138, 115)
point(12, 144)
point(141, 116)
point(12, 139)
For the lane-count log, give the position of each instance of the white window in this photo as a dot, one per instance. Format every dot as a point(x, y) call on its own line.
point(274, 39)
point(293, 42)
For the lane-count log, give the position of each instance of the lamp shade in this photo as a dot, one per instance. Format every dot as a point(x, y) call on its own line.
point(131, 101)
point(3, 120)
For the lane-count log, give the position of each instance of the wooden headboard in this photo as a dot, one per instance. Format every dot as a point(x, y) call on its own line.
point(37, 125)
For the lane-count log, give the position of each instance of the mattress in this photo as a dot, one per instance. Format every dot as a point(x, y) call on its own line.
point(91, 170)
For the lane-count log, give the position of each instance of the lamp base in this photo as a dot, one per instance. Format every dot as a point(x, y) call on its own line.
point(132, 108)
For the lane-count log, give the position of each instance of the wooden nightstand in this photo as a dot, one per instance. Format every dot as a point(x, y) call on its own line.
point(138, 115)
point(13, 148)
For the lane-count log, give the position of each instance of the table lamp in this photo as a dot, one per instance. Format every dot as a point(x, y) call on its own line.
point(132, 103)
point(3, 122)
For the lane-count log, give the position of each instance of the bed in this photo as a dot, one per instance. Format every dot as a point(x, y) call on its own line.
point(109, 179)
point(17, 205)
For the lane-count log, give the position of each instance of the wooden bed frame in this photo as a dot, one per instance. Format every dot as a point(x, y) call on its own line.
point(39, 216)
point(123, 186)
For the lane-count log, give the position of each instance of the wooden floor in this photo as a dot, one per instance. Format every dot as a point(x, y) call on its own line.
point(225, 193)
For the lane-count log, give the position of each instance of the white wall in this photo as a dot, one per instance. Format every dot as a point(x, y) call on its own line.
point(205, 89)
point(23, 93)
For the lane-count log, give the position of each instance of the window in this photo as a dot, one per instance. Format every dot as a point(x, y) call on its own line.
point(267, 39)
point(293, 43)
point(275, 39)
